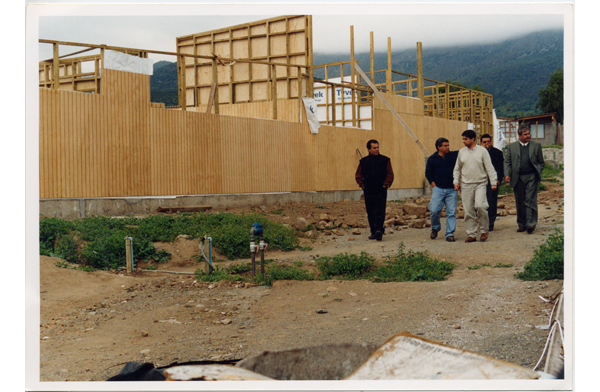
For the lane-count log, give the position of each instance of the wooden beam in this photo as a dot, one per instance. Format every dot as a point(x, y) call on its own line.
point(393, 111)
point(420, 81)
point(352, 76)
point(274, 90)
point(388, 73)
point(211, 97)
point(55, 67)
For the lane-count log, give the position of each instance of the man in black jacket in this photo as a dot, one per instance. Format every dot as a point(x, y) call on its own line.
point(375, 175)
point(498, 162)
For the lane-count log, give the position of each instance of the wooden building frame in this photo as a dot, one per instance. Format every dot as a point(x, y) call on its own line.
point(270, 60)
point(264, 44)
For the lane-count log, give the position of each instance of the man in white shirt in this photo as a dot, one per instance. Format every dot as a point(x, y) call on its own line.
point(471, 172)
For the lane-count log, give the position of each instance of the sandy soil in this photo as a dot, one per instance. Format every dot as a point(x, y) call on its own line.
point(93, 323)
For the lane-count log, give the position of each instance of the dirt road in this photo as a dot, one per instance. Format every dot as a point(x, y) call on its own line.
point(93, 323)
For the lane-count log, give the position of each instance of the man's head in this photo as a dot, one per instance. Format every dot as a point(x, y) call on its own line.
point(442, 146)
point(486, 141)
point(373, 147)
point(524, 133)
point(468, 138)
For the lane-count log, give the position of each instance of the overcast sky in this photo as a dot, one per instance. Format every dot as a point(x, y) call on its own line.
point(156, 27)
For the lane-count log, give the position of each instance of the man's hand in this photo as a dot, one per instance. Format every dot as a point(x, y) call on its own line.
point(507, 179)
point(456, 187)
point(494, 187)
point(433, 184)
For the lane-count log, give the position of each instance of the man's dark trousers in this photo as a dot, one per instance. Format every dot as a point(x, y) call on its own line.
point(375, 202)
point(492, 199)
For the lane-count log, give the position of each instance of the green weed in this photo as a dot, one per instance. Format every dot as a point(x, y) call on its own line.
point(548, 260)
point(412, 266)
point(346, 266)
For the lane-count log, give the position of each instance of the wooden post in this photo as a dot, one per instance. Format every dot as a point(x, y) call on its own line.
point(372, 59)
point(215, 80)
point(352, 76)
point(128, 254)
point(274, 90)
point(182, 82)
point(333, 115)
point(55, 67)
point(388, 72)
point(420, 81)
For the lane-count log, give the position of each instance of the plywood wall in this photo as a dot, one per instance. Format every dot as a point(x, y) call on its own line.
point(118, 144)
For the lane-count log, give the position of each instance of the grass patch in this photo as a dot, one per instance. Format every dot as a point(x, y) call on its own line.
point(346, 266)
point(99, 241)
point(275, 272)
point(412, 266)
point(548, 260)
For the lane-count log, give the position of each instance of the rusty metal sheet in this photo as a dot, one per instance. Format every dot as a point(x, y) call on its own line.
point(211, 373)
point(409, 357)
point(326, 362)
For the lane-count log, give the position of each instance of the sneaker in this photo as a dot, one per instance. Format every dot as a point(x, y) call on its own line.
point(379, 236)
point(450, 238)
point(433, 235)
point(484, 237)
point(471, 239)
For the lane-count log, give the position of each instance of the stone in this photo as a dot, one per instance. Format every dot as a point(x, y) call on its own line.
point(324, 217)
point(418, 224)
point(414, 209)
point(321, 311)
point(301, 224)
point(226, 321)
point(144, 333)
point(356, 232)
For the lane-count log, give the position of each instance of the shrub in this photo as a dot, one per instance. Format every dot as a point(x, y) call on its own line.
point(347, 266)
point(548, 260)
point(51, 229)
point(66, 248)
point(412, 266)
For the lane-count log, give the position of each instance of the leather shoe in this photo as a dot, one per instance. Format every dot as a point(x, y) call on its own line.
point(520, 229)
point(433, 235)
point(484, 237)
point(450, 238)
point(379, 236)
point(530, 230)
point(372, 236)
point(471, 239)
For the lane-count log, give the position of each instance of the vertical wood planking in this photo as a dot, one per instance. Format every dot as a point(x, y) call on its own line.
point(114, 145)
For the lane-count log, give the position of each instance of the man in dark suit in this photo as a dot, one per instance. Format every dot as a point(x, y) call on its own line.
point(375, 175)
point(523, 165)
point(498, 162)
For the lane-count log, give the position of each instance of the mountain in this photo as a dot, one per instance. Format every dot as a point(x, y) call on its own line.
point(513, 71)
point(163, 83)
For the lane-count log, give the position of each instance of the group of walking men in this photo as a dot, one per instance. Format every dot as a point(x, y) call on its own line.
point(476, 170)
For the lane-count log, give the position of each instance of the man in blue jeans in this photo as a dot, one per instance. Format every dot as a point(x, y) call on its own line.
point(438, 171)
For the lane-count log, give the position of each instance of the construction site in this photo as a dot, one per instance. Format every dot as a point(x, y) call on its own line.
point(261, 129)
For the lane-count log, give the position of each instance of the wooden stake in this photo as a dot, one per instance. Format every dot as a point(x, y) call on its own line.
point(128, 254)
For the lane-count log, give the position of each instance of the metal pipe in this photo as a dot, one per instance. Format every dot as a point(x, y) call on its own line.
point(253, 250)
point(261, 246)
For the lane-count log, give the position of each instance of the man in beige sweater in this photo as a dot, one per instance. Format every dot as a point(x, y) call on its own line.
point(471, 172)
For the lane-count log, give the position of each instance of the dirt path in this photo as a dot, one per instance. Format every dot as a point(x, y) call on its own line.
point(93, 323)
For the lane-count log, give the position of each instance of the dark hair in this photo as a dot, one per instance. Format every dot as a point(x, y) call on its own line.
point(439, 142)
point(523, 128)
point(485, 136)
point(469, 134)
point(371, 142)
